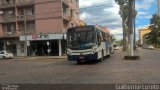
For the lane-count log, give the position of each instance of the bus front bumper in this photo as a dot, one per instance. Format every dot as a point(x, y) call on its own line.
point(88, 57)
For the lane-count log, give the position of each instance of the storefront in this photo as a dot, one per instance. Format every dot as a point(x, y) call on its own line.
point(9, 44)
point(44, 45)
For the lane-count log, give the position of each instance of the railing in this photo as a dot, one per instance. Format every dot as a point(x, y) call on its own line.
point(25, 2)
point(7, 4)
point(66, 16)
point(8, 19)
point(66, 2)
point(27, 17)
point(13, 33)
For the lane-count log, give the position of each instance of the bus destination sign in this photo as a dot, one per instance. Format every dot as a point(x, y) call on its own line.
point(83, 29)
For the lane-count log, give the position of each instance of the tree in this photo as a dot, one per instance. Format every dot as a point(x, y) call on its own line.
point(124, 14)
point(154, 36)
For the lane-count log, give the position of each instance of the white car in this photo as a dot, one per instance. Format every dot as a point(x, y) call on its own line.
point(116, 47)
point(150, 47)
point(6, 54)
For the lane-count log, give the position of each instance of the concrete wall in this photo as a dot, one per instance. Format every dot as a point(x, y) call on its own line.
point(48, 16)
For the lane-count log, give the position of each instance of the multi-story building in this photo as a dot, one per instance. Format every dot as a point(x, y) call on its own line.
point(142, 33)
point(36, 27)
point(158, 4)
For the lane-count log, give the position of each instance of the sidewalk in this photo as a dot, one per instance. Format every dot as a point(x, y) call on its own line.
point(40, 57)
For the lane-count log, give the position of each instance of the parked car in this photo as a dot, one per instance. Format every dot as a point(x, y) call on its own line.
point(116, 47)
point(150, 47)
point(6, 54)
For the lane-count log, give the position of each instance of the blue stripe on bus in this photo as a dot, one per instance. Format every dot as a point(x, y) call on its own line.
point(88, 57)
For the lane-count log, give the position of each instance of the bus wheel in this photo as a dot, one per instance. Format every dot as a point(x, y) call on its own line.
point(79, 62)
point(109, 55)
point(3, 57)
point(102, 58)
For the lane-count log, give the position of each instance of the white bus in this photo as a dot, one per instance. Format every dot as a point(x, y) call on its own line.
point(86, 43)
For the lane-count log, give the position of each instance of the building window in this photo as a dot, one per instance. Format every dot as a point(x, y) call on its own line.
point(8, 13)
point(31, 26)
point(30, 11)
point(26, 11)
point(9, 28)
point(4, 2)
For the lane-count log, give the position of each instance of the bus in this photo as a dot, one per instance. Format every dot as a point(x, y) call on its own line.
point(87, 43)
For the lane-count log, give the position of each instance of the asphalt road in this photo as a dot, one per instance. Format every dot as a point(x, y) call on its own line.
point(60, 71)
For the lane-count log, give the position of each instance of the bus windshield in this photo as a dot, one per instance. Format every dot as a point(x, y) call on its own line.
point(81, 40)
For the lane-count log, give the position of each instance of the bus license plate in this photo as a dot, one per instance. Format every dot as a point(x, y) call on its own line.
point(81, 57)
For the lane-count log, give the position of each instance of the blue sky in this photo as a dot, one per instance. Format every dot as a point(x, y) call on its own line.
point(108, 15)
point(145, 13)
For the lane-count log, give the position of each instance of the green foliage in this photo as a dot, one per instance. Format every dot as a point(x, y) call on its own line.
point(119, 42)
point(154, 36)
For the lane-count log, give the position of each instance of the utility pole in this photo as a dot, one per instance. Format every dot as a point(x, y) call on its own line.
point(131, 17)
point(134, 24)
point(25, 35)
point(131, 26)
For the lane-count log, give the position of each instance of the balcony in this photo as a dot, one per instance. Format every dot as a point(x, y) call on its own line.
point(66, 16)
point(7, 19)
point(9, 4)
point(25, 2)
point(10, 34)
point(65, 3)
point(27, 17)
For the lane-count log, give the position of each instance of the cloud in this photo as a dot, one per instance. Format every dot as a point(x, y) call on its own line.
point(100, 12)
point(89, 3)
point(144, 4)
point(105, 13)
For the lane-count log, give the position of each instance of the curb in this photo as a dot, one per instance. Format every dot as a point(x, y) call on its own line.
point(33, 58)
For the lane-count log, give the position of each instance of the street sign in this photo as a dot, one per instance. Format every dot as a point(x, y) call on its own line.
point(28, 43)
point(48, 50)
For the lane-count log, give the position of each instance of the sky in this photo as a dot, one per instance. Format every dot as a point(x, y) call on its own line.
point(105, 13)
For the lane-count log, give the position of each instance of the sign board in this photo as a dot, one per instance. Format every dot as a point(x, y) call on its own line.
point(43, 37)
point(28, 43)
point(48, 50)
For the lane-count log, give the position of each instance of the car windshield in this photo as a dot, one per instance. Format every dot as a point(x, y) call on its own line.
point(81, 40)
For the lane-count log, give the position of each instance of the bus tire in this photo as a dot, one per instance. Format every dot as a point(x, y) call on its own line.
point(109, 55)
point(3, 57)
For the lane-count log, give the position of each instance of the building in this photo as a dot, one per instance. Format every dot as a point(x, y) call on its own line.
point(142, 33)
point(158, 4)
point(82, 23)
point(36, 27)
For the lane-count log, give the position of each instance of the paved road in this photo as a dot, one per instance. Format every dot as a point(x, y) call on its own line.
point(60, 71)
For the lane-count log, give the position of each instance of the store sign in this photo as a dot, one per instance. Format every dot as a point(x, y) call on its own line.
point(43, 37)
point(35, 37)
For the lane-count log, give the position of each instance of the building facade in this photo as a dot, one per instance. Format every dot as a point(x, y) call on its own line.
point(142, 33)
point(36, 27)
point(158, 4)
